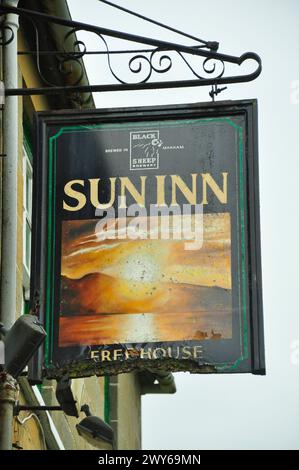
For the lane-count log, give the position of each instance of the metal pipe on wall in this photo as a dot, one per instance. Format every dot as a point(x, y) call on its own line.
point(9, 218)
point(9, 176)
point(8, 396)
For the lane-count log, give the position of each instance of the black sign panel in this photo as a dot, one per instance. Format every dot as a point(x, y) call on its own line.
point(146, 247)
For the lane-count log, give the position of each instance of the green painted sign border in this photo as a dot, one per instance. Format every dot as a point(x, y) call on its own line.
point(51, 230)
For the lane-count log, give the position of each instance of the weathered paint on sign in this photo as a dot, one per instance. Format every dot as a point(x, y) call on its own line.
point(147, 240)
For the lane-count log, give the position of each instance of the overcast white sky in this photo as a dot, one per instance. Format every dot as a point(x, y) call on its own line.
point(234, 411)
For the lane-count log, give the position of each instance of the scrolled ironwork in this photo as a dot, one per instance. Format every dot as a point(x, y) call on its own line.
point(4, 40)
point(139, 59)
point(145, 65)
point(163, 58)
point(64, 59)
point(211, 70)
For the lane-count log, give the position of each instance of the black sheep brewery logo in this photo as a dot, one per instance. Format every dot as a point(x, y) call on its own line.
point(144, 150)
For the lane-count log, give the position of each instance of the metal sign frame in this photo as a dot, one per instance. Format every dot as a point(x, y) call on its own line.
point(43, 253)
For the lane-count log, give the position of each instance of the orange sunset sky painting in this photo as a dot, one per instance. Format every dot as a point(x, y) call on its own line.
point(129, 291)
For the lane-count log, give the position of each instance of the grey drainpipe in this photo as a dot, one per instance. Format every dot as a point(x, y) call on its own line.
point(8, 386)
point(9, 176)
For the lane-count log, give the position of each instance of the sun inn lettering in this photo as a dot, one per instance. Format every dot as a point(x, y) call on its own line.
point(149, 353)
point(196, 188)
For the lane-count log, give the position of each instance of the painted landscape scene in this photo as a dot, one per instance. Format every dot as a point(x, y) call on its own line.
point(127, 290)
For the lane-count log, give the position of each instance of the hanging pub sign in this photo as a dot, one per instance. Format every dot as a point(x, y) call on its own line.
point(146, 249)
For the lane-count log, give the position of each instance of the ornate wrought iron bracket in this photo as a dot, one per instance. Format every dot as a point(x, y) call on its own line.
point(201, 61)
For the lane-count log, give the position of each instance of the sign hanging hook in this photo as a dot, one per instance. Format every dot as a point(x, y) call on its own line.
point(215, 91)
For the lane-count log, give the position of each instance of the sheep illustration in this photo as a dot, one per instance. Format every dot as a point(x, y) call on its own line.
point(151, 149)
